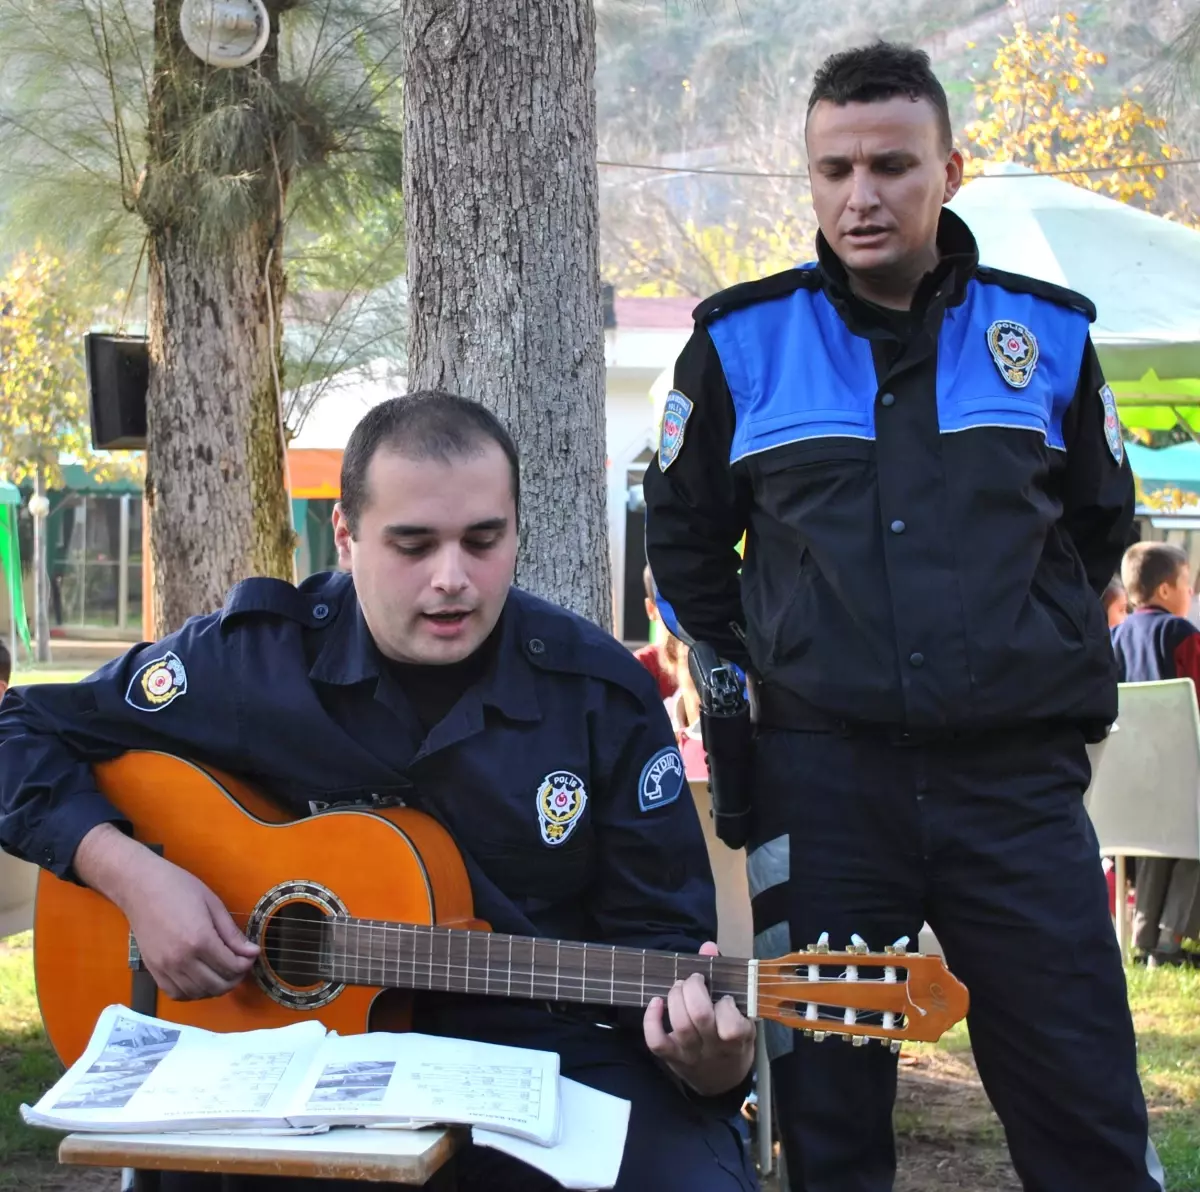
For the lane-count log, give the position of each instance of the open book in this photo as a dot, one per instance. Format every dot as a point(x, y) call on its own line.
point(144, 1075)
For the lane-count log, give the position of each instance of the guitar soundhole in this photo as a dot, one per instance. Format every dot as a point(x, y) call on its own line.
point(294, 940)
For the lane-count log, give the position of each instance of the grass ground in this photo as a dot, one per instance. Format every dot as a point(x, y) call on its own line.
point(948, 1136)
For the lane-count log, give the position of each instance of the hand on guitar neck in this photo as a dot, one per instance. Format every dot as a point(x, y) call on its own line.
point(711, 1045)
point(188, 940)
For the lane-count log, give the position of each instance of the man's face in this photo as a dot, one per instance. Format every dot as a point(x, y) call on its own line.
point(434, 554)
point(880, 173)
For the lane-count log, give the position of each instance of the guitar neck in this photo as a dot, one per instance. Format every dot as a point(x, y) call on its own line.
point(403, 956)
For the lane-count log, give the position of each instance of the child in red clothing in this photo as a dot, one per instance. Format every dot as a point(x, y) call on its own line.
point(658, 659)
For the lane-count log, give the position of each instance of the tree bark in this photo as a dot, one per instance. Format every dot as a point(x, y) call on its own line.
point(503, 263)
point(216, 483)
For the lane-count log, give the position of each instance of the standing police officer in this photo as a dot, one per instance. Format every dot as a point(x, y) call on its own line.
point(423, 675)
point(928, 469)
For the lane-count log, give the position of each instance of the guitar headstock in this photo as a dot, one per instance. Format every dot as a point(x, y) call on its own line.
point(893, 995)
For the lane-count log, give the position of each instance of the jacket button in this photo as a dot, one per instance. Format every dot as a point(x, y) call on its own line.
point(320, 611)
point(917, 660)
point(898, 527)
point(536, 645)
point(888, 399)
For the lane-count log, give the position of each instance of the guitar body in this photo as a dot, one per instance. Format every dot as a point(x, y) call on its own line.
point(274, 873)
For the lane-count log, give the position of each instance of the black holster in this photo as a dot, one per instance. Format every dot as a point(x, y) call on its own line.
point(728, 741)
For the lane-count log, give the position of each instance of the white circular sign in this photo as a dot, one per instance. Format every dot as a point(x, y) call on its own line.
point(225, 33)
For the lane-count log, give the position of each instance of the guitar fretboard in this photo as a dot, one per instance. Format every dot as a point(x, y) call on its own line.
point(392, 955)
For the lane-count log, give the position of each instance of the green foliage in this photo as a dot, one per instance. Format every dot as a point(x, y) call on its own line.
point(1039, 107)
point(43, 393)
point(111, 129)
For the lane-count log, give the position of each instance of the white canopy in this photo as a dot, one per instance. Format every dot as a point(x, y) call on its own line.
point(1141, 271)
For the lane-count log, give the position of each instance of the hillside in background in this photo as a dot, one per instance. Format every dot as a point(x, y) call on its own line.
point(724, 84)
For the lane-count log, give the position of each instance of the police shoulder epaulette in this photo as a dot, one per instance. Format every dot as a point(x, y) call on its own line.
point(276, 597)
point(557, 640)
point(610, 662)
point(1018, 283)
point(762, 290)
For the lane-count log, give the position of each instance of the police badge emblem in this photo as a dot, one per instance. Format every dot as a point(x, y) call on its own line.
point(1112, 424)
point(676, 412)
point(157, 683)
point(1015, 350)
point(560, 802)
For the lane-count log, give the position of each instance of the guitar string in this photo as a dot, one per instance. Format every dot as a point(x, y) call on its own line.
point(733, 967)
point(876, 960)
point(730, 967)
point(569, 981)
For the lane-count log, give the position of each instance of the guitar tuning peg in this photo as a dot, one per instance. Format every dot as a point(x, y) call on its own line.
point(858, 1040)
point(894, 1046)
point(846, 1038)
point(818, 1036)
point(900, 947)
point(808, 1034)
point(858, 944)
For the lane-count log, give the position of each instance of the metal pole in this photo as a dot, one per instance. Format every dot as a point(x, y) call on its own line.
point(40, 584)
point(123, 566)
point(13, 578)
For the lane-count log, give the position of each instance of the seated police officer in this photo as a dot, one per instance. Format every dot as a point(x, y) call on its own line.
point(422, 673)
point(928, 468)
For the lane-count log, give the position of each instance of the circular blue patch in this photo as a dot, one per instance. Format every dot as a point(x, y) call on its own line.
point(662, 779)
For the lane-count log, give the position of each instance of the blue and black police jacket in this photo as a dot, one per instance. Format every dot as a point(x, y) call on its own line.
point(285, 687)
point(931, 501)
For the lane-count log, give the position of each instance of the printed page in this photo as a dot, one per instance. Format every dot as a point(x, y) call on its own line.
point(425, 1079)
point(591, 1140)
point(141, 1073)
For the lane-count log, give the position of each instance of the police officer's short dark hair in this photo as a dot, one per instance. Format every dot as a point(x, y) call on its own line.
point(424, 425)
point(1147, 565)
point(5, 664)
point(871, 74)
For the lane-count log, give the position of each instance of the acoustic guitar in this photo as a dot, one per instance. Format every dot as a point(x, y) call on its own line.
point(351, 904)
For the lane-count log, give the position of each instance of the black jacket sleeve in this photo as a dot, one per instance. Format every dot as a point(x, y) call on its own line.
point(1098, 499)
point(697, 511)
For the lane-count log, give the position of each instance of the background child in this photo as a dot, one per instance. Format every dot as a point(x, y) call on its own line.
point(659, 658)
point(1157, 641)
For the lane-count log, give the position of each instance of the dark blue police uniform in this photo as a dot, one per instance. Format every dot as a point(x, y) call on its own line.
point(285, 687)
point(932, 502)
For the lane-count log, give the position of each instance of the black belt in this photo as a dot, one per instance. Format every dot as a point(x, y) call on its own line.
point(779, 708)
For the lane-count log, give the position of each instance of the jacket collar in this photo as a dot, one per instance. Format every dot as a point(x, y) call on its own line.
point(958, 260)
point(349, 655)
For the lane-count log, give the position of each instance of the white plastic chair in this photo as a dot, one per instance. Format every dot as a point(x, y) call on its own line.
point(18, 882)
point(1144, 798)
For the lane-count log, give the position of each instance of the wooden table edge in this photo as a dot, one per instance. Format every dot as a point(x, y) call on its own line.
point(98, 1150)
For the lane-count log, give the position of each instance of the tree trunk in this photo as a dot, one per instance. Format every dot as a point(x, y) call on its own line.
point(503, 266)
point(216, 480)
point(216, 483)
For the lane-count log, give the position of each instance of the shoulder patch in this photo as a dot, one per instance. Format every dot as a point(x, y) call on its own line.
point(1018, 283)
point(676, 412)
point(157, 683)
point(1112, 424)
point(803, 277)
point(662, 779)
point(278, 598)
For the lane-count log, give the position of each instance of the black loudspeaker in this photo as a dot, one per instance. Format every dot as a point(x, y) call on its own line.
point(118, 374)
